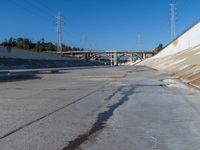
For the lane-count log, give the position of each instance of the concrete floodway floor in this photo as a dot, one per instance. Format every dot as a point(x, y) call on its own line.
point(120, 108)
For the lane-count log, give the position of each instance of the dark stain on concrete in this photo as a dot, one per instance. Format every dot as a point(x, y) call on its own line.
point(100, 122)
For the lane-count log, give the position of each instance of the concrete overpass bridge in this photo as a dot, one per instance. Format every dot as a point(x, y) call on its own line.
point(113, 56)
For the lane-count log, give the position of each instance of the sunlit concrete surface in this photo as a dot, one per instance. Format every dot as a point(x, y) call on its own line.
point(180, 57)
point(125, 108)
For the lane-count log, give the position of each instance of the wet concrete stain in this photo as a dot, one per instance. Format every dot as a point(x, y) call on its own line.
point(101, 121)
point(6, 76)
point(66, 89)
point(114, 93)
point(163, 85)
point(18, 78)
point(13, 89)
point(54, 72)
point(150, 85)
point(105, 116)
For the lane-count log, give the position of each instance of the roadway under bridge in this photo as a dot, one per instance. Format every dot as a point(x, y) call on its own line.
point(109, 57)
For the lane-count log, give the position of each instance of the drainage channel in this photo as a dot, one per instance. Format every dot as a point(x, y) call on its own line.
point(100, 122)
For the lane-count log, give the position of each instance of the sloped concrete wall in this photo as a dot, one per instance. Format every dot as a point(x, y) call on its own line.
point(27, 54)
point(187, 40)
point(181, 57)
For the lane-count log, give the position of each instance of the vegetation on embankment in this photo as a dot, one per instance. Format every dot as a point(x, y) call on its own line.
point(158, 48)
point(41, 45)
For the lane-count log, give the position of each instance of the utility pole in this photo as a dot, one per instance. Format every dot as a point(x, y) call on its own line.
point(173, 20)
point(59, 32)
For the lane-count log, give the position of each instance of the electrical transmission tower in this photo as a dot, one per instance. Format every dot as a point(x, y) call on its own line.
point(173, 20)
point(59, 32)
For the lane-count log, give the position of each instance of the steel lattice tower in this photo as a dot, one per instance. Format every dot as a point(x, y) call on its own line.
point(59, 32)
point(173, 20)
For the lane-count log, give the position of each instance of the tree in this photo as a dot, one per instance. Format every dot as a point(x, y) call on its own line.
point(42, 40)
point(159, 48)
point(50, 46)
point(25, 43)
point(38, 46)
point(12, 42)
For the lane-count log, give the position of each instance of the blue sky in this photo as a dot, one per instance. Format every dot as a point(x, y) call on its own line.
point(97, 24)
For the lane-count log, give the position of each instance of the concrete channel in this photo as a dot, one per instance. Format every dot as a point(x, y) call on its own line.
point(130, 107)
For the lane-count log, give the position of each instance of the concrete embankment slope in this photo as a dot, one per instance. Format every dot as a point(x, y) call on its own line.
point(17, 53)
point(25, 59)
point(181, 57)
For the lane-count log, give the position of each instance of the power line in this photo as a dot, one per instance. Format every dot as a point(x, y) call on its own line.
point(65, 21)
point(30, 11)
point(41, 10)
point(50, 10)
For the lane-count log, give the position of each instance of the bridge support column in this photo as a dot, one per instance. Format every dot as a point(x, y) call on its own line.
point(132, 58)
point(86, 56)
point(115, 59)
point(111, 59)
point(144, 56)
